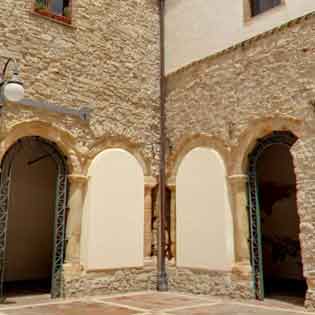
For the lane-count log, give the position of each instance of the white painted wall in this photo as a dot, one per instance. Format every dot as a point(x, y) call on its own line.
point(113, 219)
point(204, 223)
point(196, 29)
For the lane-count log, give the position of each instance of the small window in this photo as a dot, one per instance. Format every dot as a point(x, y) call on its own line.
point(260, 6)
point(57, 9)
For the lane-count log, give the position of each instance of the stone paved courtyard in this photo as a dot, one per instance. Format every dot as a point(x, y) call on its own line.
point(146, 303)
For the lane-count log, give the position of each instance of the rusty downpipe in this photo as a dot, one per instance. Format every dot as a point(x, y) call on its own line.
point(162, 283)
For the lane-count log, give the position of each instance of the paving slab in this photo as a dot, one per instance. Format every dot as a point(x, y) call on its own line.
point(156, 301)
point(149, 303)
point(232, 309)
point(75, 308)
point(26, 300)
point(289, 302)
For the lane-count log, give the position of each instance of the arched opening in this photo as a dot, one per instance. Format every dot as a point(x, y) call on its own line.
point(33, 192)
point(276, 253)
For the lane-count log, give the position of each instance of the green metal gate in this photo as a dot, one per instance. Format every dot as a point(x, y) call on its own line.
point(275, 138)
point(60, 208)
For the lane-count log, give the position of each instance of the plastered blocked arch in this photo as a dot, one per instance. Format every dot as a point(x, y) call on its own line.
point(113, 215)
point(203, 215)
point(188, 143)
point(124, 143)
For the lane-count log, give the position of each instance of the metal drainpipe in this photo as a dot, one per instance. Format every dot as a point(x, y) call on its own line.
point(162, 283)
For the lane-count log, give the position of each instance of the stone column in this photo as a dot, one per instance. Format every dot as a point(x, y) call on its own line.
point(238, 188)
point(149, 184)
point(172, 186)
point(75, 203)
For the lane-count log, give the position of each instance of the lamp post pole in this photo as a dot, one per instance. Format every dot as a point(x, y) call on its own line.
point(162, 283)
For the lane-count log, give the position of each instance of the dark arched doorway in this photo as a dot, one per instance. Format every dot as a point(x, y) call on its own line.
point(274, 220)
point(33, 196)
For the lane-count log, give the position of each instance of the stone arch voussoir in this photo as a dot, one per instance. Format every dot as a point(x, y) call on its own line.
point(258, 129)
point(118, 143)
point(64, 141)
point(189, 143)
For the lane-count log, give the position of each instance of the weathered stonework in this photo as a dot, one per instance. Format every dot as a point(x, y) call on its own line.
point(108, 60)
point(110, 281)
point(204, 282)
point(215, 283)
point(238, 96)
point(310, 297)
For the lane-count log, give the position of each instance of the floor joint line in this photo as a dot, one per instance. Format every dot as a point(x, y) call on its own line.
point(189, 307)
point(121, 305)
point(275, 308)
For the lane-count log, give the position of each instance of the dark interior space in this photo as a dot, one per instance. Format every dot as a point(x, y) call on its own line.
point(29, 247)
point(282, 263)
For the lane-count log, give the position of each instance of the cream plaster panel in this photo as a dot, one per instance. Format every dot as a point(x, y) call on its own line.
point(204, 219)
point(113, 219)
point(199, 28)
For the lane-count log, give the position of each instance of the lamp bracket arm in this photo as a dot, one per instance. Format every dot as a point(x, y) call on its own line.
point(6, 67)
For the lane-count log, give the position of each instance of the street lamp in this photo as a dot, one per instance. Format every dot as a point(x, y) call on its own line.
point(11, 89)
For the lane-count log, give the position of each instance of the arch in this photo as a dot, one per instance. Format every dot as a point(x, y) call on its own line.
point(276, 138)
point(117, 143)
point(113, 215)
point(257, 129)
point(52, 151)
point(204, 222)
point(189, 143)
point(63, 139)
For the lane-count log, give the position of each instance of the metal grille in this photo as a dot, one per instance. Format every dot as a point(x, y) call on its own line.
point(276, 138)
point(60, 209)
point(5, 180)
point(60, 219)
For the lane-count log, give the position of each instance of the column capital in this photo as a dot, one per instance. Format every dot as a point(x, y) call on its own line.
point(78, 178)
point(150, 182)
point(238, 178)
point(171, 183)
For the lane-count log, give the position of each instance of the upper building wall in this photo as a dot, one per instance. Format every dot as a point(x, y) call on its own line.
point(108, 59)
point(199, 28)
point(242, 95)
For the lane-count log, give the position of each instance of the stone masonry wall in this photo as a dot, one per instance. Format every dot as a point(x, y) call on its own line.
point(140, 279)
point(221, 96)
point(108, 60)
point(110, 282)
point(214, 283)
point(244, 93)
